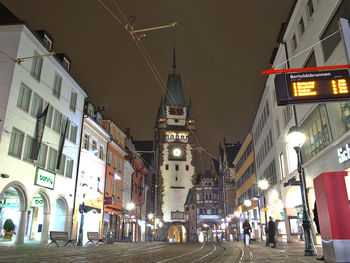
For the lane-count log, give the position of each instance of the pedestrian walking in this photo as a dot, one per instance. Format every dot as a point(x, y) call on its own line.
point(246, 232)
point(271, 231)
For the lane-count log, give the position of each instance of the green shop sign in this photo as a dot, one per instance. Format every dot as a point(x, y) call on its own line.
point(45, 178)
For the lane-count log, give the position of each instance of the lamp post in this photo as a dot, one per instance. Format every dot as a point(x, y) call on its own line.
point(82, 210)
point(130, 206)
point(150, 217)
point(263, 184)
point(296, 139)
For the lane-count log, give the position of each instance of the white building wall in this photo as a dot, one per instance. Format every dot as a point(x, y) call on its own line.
point(128, 171)
point(19, 170)
point(174, 199)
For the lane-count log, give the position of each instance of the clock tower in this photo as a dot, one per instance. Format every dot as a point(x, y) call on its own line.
point(174, 152)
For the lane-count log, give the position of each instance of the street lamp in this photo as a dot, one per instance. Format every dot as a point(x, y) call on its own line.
point(150, 217)
point(247, 203)
point(82, 210)
point(130, 206)
point(296, 139)
point(263, 184)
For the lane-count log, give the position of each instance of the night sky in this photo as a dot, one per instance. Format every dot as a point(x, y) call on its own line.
point(221, 48)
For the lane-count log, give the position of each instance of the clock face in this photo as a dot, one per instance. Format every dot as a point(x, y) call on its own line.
point(177, 152)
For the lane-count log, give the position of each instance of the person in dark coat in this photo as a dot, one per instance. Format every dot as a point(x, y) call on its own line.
point(246, 232)
point(271, 231)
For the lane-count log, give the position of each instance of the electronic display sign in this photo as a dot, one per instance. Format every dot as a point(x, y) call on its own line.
point(316, 86)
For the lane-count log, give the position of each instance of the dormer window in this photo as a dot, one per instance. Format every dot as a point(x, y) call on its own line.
point(47, 42)
point(99, 119)
point(66, 63)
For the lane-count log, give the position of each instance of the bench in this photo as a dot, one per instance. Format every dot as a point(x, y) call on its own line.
point(59, 236)
point(94, 236)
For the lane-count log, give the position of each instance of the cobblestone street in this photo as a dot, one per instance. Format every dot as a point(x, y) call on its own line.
point(156, 252)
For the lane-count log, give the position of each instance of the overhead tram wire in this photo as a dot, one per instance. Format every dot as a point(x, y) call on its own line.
point(152, 67)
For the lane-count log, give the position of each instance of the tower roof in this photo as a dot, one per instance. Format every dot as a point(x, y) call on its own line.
point(190, 112)
point(174, 93)
point(161, 110)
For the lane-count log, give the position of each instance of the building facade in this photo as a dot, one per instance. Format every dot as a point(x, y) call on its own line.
point(35, 195)
point(113, 208)
point(89, 194)
point(325, 125)
point(247, 194)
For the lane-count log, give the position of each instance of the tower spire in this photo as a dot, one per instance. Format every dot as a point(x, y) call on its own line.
point(174, 59)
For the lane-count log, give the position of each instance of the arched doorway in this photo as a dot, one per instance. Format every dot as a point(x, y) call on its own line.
point(59, 215)
point(177, 233)
point(13, 205)
point(38, 218)
point(209, 231)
